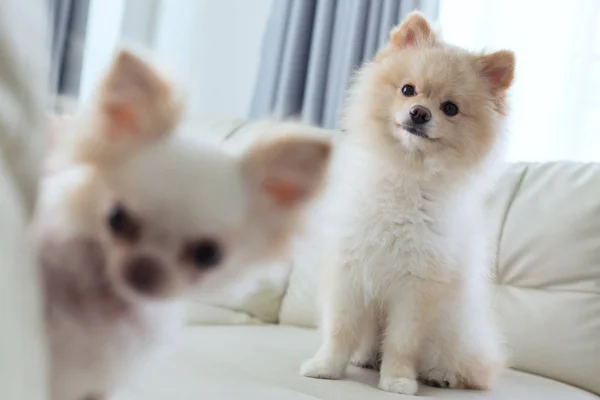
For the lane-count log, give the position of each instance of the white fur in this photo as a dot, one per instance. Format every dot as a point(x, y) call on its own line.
point(98, 357)
point(183, 190)
point(409, 268)
point(406, 235)
point(124, 152)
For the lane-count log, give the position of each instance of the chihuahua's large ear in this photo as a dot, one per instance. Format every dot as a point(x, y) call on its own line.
point(286, 172)
point(498, 69)
point(283, 175)
point(136, 100)
point(134, 105)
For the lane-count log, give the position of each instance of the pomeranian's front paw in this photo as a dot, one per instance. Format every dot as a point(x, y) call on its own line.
point(400, 385)
point(322, 368)
point(440, 378)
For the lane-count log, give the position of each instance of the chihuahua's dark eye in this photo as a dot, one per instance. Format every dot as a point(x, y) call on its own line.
point(408, 90)
point(205, 254)
point(121, 224)
point(449, 108)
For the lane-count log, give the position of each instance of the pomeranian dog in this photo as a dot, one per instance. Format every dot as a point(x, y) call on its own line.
point(137, 215)
point(407, 288)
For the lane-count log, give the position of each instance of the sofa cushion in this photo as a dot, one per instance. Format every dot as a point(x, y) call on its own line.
point(261, 362)
point(545, 222)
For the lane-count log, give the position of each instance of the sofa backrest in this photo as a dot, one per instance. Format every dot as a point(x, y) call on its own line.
point(545, 220)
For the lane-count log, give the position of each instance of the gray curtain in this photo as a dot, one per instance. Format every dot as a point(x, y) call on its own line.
point(68, 20)
point(312, 47)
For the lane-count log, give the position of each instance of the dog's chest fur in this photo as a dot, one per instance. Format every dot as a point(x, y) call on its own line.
point(403, 223)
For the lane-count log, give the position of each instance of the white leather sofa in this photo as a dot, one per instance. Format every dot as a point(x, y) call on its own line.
point(545, 219)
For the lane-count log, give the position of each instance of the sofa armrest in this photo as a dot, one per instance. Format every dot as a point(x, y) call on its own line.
point(23, 75)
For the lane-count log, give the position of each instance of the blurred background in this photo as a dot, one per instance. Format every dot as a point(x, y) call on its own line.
point(256, 58)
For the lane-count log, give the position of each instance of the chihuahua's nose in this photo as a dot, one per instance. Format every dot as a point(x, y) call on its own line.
point(420, 115)
point(144, 274)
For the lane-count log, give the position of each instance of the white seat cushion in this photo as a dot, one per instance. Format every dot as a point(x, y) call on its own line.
point(261, 362)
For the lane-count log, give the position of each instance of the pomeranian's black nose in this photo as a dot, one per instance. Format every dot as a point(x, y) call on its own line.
point(420, 115)
point(144, 274)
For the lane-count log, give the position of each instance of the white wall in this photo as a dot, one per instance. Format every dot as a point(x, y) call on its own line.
point(213, 47)
point(216, 46)
point(103, 32)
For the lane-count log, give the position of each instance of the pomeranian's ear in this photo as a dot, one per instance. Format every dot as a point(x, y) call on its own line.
point(413, 31)
point(287, 171)
point(133, 106)
point(498, 68)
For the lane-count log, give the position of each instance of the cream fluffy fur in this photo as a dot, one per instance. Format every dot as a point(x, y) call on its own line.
point(408, 278)
point(114, 284)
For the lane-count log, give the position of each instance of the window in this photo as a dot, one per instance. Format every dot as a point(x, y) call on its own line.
point(555, 100)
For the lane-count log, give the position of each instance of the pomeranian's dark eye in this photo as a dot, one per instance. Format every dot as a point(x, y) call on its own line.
point(205, 254)
point(408, 90)
point(449, 108)
point(121, 224)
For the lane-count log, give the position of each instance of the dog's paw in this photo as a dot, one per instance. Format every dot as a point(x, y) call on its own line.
point(400, 385)
point(441, 378)
point(321, 368)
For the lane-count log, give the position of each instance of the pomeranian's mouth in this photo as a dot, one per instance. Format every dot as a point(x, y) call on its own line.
point(414, 131)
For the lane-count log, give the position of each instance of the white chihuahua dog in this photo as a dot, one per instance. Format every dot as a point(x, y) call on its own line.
point(137, 215)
